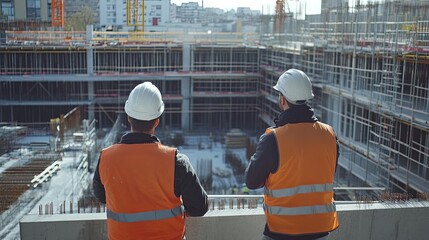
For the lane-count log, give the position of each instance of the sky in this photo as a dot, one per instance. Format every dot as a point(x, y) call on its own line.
point(268, 6)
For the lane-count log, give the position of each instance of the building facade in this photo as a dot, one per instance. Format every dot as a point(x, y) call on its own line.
point(114, 12)
point(72, 7)
point(36, 10)
point(190, 12)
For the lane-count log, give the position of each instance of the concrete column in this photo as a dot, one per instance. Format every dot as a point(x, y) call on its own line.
point(20, 9)
point(89, 50)
point(89, 33)
point(11, 114)
point(44, 10)
point(90, 60)
point(186, 57)
point(90, 71)
point(92, 99)
point(185, 84)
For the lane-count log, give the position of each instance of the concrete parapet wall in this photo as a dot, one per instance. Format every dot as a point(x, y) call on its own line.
point(376, 221)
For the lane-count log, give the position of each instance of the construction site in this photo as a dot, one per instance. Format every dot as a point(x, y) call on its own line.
point(62, 97)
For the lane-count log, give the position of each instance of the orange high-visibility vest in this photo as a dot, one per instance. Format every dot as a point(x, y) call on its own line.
point(139, 184)
point(298, 197)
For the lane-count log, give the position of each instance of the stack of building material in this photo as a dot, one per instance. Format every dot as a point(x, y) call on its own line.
point(16, 180)
point(235, 138)
point(9, 134)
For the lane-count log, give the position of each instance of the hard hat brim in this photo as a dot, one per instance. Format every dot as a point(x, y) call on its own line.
point(276, 88)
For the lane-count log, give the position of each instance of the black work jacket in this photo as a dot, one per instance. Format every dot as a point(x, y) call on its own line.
point(186, 182)
point(266, 159)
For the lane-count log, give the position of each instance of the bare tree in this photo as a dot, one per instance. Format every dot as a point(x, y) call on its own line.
point(79, 20)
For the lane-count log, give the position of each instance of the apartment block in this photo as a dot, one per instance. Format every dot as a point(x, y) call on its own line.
point(149, 12)
point(38, 10)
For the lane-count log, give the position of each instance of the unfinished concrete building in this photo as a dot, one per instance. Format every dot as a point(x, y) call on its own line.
point(368, 64)
point(372, 75)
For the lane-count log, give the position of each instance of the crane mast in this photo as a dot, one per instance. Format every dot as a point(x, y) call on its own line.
point(135, 13)
point(280, 16)
point(57, 14)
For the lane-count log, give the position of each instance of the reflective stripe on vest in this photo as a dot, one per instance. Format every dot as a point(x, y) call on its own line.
point(300, 210)
point(145, 216)
point(287, 192)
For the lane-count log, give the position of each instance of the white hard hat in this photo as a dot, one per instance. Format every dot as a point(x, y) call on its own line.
point(295, 86)
point(144, 102)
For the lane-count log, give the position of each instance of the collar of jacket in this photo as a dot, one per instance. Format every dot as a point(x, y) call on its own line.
point(137, 137)
point(296, 114)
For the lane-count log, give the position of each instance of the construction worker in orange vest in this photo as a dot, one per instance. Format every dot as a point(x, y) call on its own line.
point(295, 162)
point(148, 187)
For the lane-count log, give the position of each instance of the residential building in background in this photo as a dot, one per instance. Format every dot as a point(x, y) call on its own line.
point(19, 10)
point(173, 12)
point(40, 10)
point(190, 12)
point(159, 15)
point(242, 11)
point(114, 13)
point(156, 12)
point(72, 7)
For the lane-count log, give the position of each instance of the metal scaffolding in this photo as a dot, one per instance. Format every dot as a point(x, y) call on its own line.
point(370, 71)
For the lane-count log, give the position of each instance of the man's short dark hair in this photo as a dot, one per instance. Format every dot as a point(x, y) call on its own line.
point(141, 125)
point(290, 104)
point(300, 102)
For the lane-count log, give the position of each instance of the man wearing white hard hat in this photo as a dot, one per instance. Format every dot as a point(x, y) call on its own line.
point(295, 162)
point(148, 187)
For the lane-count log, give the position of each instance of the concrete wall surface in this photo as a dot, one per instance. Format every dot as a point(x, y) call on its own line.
point(377, 221)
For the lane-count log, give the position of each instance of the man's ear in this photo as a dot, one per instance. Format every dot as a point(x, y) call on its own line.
point(156, 123)
point(283, 100)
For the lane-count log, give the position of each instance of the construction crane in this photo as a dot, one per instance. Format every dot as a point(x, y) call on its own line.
point(289, 14)
point(57, 14)
point(281, 16)
point(135, 13)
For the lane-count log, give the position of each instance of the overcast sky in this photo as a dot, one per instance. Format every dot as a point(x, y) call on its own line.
point(268, 6)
